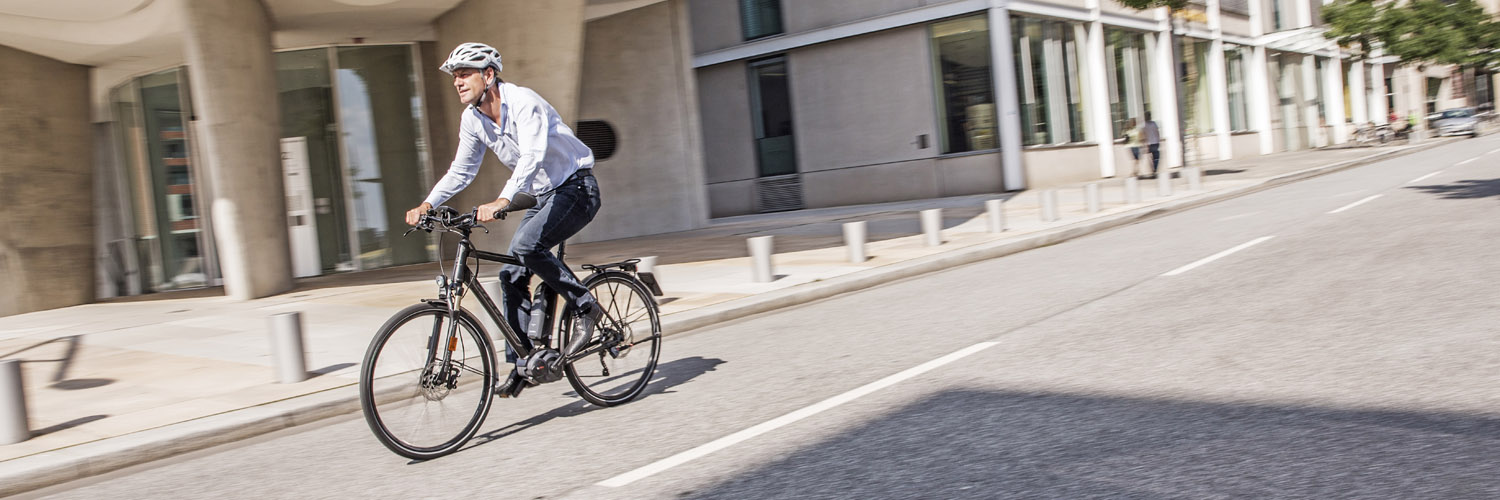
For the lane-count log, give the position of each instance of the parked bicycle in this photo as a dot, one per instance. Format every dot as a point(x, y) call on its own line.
point(431, 373)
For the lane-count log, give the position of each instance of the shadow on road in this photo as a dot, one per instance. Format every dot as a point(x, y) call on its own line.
point(974, 444)
point(668, 375)
point(1464, 189)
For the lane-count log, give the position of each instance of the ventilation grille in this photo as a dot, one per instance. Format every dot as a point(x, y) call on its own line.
point(780, 193)
point(599, 137)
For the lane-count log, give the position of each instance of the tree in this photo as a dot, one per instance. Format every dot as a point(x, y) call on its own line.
point(1456, 32)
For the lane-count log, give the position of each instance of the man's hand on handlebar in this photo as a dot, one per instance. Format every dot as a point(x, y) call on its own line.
point(414, 215)
point(488, 211)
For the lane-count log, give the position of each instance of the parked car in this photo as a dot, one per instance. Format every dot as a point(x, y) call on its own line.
point(1457, 121)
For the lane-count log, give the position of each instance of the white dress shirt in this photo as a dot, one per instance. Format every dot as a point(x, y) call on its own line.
point(531, 139)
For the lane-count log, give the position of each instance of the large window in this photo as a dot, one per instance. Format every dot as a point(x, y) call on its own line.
point(771, 112)
point(153, 115)
point(1198, 116)
point(1130, 78)
point(1048, 80)
point(1434, 86)
point(760, 18)
point(1234, 69)
point(966, 98)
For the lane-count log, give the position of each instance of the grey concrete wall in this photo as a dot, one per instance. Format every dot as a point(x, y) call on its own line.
point(1245, 145)
point(240, 142)
point(910, 180)
point(728, 138)
point(715, 24)
point(637, 76)
point(863, 100)
point(46, 184)
point(805, 16)
point(1114, 7)
point(541, 47)
point(1235, 24)
point(969, 174)
point(1050, 166)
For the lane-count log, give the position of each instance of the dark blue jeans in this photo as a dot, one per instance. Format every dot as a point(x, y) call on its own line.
point(557, 216)
point(1155, 150)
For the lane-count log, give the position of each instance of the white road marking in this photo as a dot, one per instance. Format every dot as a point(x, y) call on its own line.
point(1493, 151)
point(1466, 161)
point(1355, 204)
point(1217, 256)
point(1419, 179)
point(1240, 216)
point(773, 424)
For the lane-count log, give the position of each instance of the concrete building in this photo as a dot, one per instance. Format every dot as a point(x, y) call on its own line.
point(815, 104)
point(154, 145)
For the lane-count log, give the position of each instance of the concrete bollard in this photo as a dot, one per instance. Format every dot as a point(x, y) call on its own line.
point(14, 427)
point(996, 209)
point(932, 226)
point(1194, 178)
point(1091, 193)
point(1164, 183)
point(287, 354)
point(1049, 205)
point(760, 258)
point(854, 241)
point(1132, 190)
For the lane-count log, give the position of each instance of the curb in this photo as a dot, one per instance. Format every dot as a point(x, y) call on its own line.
point(98, 457)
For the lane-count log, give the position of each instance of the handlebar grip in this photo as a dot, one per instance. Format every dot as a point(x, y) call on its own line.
point(500, 214)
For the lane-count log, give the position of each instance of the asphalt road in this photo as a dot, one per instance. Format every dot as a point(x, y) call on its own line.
point(1352, 354)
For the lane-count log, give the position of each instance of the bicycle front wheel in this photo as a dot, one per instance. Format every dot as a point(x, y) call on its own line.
point(423, 392)
point(616, 364)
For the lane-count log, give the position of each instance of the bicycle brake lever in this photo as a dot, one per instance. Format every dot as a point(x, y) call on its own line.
point(481, 226)
point(408, 231)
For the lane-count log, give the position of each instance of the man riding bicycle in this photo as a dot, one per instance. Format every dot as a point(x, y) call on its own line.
point(547, 161)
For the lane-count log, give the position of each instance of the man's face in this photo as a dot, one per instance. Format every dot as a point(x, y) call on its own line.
point(469, 83)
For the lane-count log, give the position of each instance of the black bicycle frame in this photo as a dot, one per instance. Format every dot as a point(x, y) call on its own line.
point(470, 279)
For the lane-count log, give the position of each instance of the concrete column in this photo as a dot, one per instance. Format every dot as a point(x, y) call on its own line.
point(1304, 12)
point(1004, 66)
point(1259, 101)
point(1357, 97)
point(233, 80)
point(1164, 99)
point(1309, 85)
point(1333, 103)
point(1378, 110)
point(46, 184)
point(1219, 96)
point(1098, 100)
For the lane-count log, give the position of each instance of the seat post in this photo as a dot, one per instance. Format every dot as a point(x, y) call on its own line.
point(560, 247)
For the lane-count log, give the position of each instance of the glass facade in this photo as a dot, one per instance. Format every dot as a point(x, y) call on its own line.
point(1234, 72)
point(771, 110)
point(966, 95)
point(1198, 117)
point(1048, 81)
point(351, 114)
point(1128, 55)
point(170, 237)
point(760, 18)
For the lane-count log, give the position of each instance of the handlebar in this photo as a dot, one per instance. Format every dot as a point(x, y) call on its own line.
point(445, 218)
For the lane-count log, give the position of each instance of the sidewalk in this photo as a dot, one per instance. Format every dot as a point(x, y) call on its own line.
point(136, 379)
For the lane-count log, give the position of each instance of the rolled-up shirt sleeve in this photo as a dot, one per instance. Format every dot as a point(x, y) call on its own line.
point(531, 139)
point(465, 163)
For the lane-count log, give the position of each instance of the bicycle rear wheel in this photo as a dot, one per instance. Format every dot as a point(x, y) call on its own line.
point(616, 364)
point(417, 404)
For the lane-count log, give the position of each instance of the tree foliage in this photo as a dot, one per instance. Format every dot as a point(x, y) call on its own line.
point(1431, 31)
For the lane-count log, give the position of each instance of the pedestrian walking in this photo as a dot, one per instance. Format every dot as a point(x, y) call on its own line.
point(1151, 134)
point(1133, 140)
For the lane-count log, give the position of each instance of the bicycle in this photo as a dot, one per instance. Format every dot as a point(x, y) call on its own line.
point(432, 362)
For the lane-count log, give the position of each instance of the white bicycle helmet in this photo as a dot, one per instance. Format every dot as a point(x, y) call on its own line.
point(472, 55)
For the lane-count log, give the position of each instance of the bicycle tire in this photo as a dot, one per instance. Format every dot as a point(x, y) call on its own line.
point(631, 321)
point(386, 381)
